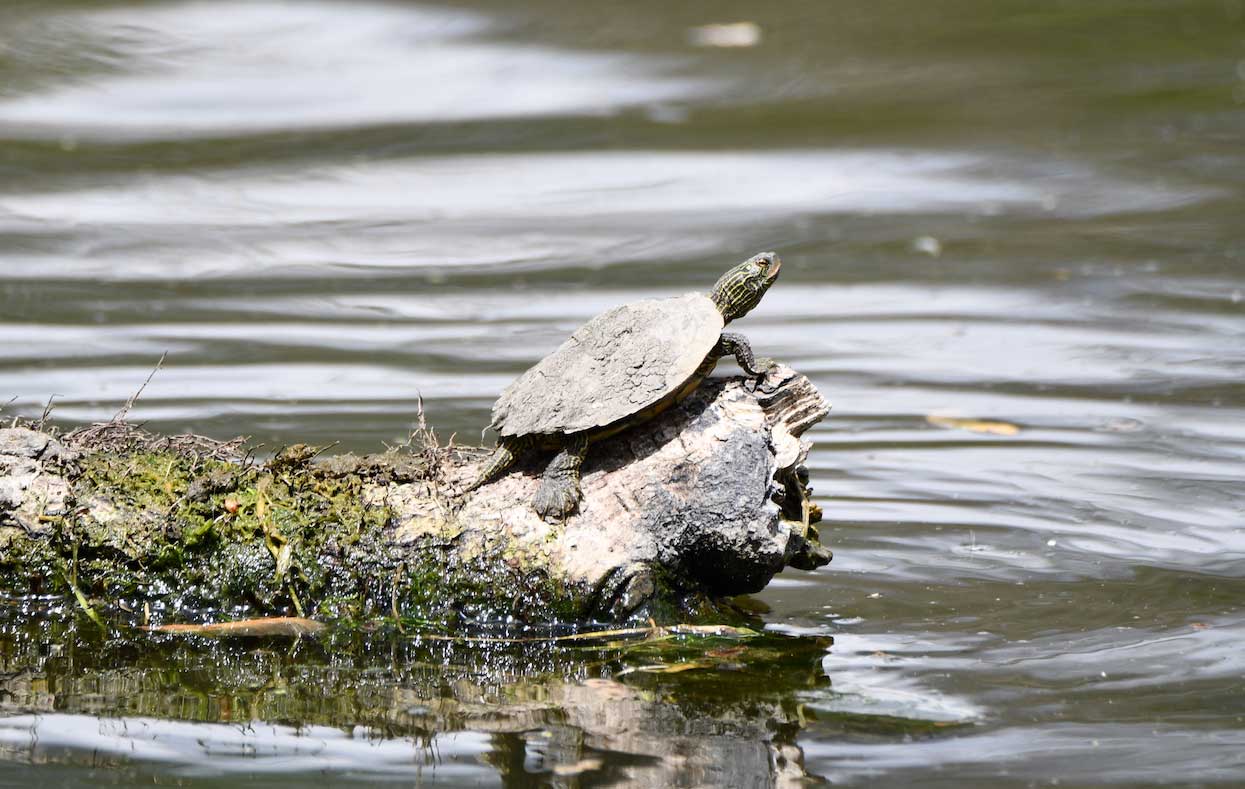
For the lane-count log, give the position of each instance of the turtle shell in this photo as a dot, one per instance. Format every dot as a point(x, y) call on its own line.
point(612, 367)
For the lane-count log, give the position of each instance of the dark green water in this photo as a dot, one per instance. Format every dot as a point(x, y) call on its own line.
point(1026, 212)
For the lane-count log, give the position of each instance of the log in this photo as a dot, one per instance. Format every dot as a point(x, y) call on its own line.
point(707, 501)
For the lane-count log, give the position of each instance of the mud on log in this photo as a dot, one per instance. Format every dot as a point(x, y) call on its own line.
point(707, 501)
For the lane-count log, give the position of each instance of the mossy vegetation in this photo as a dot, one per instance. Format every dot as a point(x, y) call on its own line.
point(183, 526)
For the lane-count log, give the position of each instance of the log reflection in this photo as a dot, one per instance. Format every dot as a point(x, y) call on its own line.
point(670, 711)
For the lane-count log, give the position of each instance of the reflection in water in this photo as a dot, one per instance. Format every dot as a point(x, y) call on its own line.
point(689, 712)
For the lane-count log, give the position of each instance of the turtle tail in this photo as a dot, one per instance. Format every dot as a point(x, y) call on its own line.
point(496, 464)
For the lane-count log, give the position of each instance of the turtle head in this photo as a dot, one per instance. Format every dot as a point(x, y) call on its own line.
point(741, 288)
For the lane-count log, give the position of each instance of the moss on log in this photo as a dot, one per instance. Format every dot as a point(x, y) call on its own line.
point(707, 501)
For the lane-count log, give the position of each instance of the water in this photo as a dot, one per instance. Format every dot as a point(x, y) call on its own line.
point(996, 211)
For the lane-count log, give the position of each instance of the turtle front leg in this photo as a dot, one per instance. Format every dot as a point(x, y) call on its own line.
point(559, 487)
point(733, 344)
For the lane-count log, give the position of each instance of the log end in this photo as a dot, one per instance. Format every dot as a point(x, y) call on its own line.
point(709, 497)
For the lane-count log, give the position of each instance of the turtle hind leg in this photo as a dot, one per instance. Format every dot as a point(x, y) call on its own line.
point(559, 487)
point(498, 463)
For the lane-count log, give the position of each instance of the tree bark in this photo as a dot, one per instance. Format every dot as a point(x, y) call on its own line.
point(706, 501)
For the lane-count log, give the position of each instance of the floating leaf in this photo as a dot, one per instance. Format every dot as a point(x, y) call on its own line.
point(975, 425)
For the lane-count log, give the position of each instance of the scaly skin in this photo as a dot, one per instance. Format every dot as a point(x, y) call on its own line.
point(504, 456)
point(559, 487)
point(733, 344)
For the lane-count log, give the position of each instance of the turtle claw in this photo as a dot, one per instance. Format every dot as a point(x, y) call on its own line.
point(556, 499)
point(762, 369)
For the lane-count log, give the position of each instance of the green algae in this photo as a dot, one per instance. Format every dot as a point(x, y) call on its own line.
point(221, 533)
point(294, 535)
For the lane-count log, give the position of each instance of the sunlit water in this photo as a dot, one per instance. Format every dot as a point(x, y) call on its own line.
point(1025, 213)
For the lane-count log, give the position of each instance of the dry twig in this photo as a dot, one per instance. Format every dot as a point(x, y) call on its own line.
point(125, 409)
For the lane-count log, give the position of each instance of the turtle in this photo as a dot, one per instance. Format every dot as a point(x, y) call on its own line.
point(618, 370)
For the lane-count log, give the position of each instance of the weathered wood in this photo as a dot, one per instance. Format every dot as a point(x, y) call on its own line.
point(675, 512)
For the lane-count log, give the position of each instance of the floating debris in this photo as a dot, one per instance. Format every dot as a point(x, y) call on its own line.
point(1121, 425)
point(992, 427)
point(249, 628)
point(666, 668)
point(927, 245)
point(579, 767)
point(652, 632)
point(732, 35)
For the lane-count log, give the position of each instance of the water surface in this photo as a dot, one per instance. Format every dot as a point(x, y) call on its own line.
point(1028, 214)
